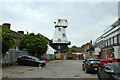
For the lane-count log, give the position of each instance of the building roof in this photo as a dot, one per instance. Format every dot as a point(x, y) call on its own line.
point(77, 49)
point(16, 34)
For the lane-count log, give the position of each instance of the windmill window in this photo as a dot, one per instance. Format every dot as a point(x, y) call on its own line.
point(63, 35)
point(59, 29)
point(59, 40)
point(58, 47)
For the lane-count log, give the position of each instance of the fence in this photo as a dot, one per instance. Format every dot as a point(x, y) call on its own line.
point(12, 55)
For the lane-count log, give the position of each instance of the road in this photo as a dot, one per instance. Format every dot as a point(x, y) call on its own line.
point(53, 69)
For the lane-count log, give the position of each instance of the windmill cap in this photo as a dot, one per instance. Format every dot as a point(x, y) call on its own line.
point(62, 22)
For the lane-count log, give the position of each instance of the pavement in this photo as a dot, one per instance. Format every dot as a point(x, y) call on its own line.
point(53, 69)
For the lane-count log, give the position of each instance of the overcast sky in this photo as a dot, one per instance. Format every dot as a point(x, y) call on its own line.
point(86, 20)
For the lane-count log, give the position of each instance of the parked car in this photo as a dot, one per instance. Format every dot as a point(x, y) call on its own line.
point(91, 65)
point(31, 61)
point(117, 60)
point(103, 62)
point(111, 71)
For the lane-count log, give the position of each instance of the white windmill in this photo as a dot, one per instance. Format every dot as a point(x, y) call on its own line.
point(59, 41)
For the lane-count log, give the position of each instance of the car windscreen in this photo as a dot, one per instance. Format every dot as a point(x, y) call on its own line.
point(95, 61)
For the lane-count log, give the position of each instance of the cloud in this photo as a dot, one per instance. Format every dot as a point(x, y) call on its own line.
point(86, 20)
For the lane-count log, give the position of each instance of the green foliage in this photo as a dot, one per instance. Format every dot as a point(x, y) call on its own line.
point(72, 50)
point(34, 44)
point(7, 40)
point(74, 46)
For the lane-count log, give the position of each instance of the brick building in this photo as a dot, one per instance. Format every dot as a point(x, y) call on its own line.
point(16, 35)
point(88, 49)
point(77, 50)
point(108, 44)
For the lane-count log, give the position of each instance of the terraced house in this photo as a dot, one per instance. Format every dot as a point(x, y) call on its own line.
point(108, 44)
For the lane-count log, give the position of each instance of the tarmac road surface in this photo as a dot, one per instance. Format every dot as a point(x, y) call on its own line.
point(53, 69)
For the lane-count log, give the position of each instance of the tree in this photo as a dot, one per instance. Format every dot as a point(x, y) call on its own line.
point(34, 44)
point(74, 46)
point(7, 40)
point(72, 50)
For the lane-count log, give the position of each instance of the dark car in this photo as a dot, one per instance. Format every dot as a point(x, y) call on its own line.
point(31, 61)
point(110, 71)
point(91, 65)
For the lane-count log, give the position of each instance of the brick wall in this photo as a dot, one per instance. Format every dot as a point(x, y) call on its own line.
point(109, 52)
point(73, 55)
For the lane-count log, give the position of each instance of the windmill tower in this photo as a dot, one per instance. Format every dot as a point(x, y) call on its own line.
point(60, 42)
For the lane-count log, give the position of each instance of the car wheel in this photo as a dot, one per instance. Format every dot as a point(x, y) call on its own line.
point(18, 63)
point(98, 77)
point(39, 65)
point(110, 78)
point(83, 67)
point(86, 70)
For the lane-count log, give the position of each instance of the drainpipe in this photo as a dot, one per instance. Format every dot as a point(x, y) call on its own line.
point(106, 54)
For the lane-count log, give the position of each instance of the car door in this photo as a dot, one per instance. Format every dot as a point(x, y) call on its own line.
point(108, 69)
point(23, 60)
point(85, 63)
point(30, 61)
point(104, 72)
point(33, 61)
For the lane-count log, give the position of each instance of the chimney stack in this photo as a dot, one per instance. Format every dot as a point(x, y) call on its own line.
point(22, 32)
point(6, 25)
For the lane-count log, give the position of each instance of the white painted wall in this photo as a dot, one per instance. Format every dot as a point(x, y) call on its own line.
point(59, 35)
point(50, 50)
point(97, 50)
point(117, 51)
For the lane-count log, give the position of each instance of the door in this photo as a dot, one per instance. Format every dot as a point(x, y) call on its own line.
point(64, 57)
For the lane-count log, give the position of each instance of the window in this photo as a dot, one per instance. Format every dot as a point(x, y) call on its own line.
point(58, 51)
point(59, 29)
point(112, 41)
point(102, 44)
point(59, 40)
point(105, 43)
point(109, 42)
point(51, 56)
point(115, 39)
point(119, 38)
point(58, 47)
point(63, 35)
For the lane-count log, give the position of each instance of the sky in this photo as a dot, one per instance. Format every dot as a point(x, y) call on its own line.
point(86, 20)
